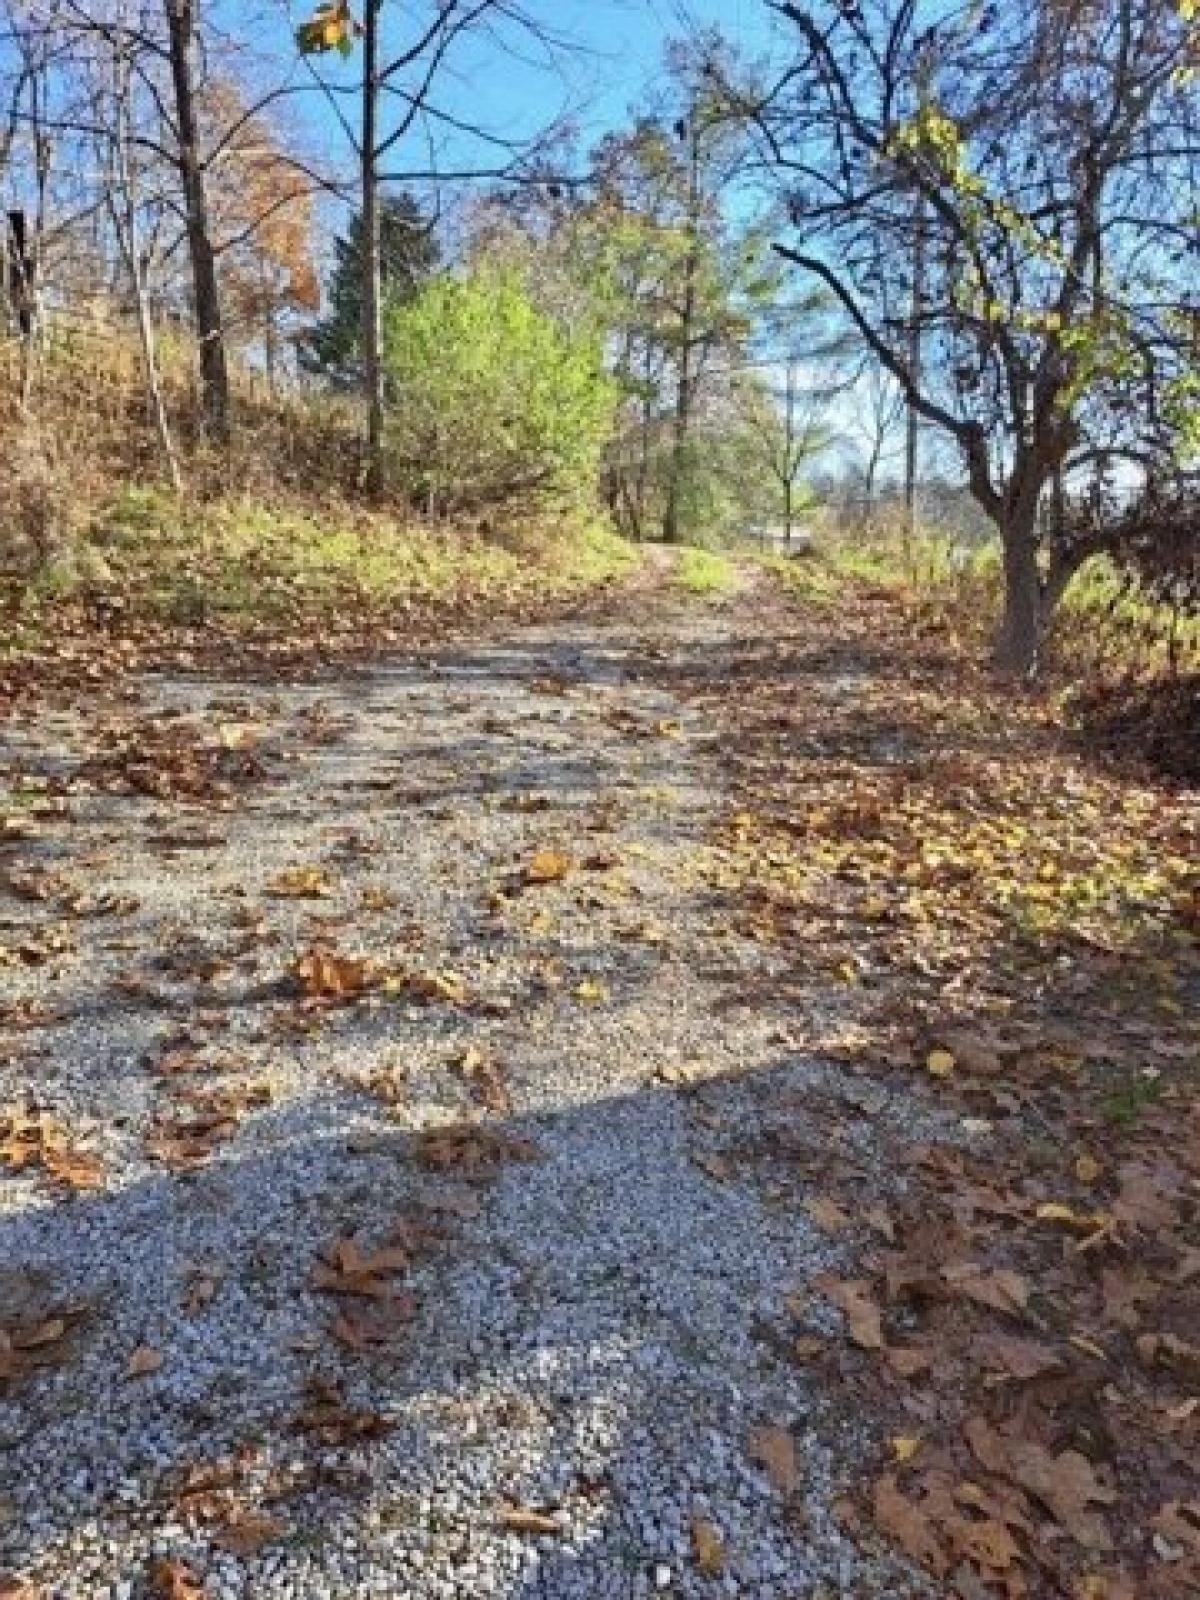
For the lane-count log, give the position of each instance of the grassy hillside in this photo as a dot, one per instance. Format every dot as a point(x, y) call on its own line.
point(270, 550)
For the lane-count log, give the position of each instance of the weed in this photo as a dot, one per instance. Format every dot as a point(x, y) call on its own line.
point(705, 572)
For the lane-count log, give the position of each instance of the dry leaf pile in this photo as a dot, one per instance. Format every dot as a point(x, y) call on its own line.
point(1013, 934)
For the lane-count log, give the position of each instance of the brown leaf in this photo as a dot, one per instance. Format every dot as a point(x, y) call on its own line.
point(246, 1532)
point(347, 1269)
point(998, 1288)
point(716, 1166)
point(1065, 1484)
point(1179, 1521)
point(1016, 1357)
point(708, 1548)
point(853, 1297)
point(12, 1588)
point(907, 1525)
point(324, 975)
point(361, 1328)
point(173, 1579)
point(775, 1451)
point(1149, 1196)
point(143, 1361)
point(526, 1519)
point(827, 1214)
point(972, 1052)
point(908, 1360)
point(472, 1151)
point(301, 883)
point(989, 1544)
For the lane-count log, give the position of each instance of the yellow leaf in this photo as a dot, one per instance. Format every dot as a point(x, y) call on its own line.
point(1087, 1169)
point(300, 883)
point(591, 990)
point(548, 866)
point(1067, 1217)
point(1053, 1211)
point(940, 1063)
point(904, 1448)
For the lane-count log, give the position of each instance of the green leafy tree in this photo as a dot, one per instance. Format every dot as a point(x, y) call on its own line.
point(495, 401)
point(409, 255)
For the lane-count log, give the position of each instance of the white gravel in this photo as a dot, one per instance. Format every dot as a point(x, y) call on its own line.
point(589, 1344)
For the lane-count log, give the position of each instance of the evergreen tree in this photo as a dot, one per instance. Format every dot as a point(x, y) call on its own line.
point(409, 256)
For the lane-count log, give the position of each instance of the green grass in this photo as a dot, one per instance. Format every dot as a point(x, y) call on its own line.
point(243, 561)
point(705, 572)
point(1102, 609)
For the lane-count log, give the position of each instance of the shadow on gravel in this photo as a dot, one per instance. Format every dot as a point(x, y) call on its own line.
point(594, 1345)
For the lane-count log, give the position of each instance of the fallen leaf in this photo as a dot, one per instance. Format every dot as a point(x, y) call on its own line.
point(1179, 1521)
point(708, 1548)
point(716, 1166)
point(1000, 1288)
point(908, 1361)
point(1066, 1484)
point(904, 1447)
point(173, 1579)
point(853, 1298)
point(301, 883)
point(143, 1361)
point(775, 1451)
point(347, 1269)
point(827, 1214)
point(247, 1532)
point(324, 975)
point(1015, 1357)
point(907, 1525)
point(548, 866)
point(525, 1519)
point(940, 1063)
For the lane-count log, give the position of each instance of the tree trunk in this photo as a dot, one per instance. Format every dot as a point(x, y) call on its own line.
point(123, 205)
point(687, 318)
point(788, 512)
point(372, 286)
point(1019, 640)
point(210, 328)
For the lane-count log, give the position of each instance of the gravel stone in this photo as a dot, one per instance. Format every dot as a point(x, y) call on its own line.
point(584, 1337)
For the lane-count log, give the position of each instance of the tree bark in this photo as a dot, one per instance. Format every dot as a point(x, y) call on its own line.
point(123, 206)
point(671, 530)
point(1019, 640)
point(372, 270)
point(210, 328)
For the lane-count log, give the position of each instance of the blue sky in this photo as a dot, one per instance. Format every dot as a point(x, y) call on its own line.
point(517, 92)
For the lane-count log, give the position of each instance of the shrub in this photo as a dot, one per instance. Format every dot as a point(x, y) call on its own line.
point(493, 400)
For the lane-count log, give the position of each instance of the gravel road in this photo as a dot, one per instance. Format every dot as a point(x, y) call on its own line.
point(371, 1054)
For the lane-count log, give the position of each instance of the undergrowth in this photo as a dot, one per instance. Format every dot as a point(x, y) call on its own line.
point(705, 572)
point(1121, 669)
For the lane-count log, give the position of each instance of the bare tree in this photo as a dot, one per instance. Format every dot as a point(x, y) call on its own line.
point(1046, 153)
point(876, 418)
point(123, 199)
point(181, 21)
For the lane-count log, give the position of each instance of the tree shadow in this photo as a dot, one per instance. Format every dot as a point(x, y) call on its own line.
point(589, 1345)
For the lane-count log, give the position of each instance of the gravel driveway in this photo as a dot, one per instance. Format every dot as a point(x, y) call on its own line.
point(371, 1052)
